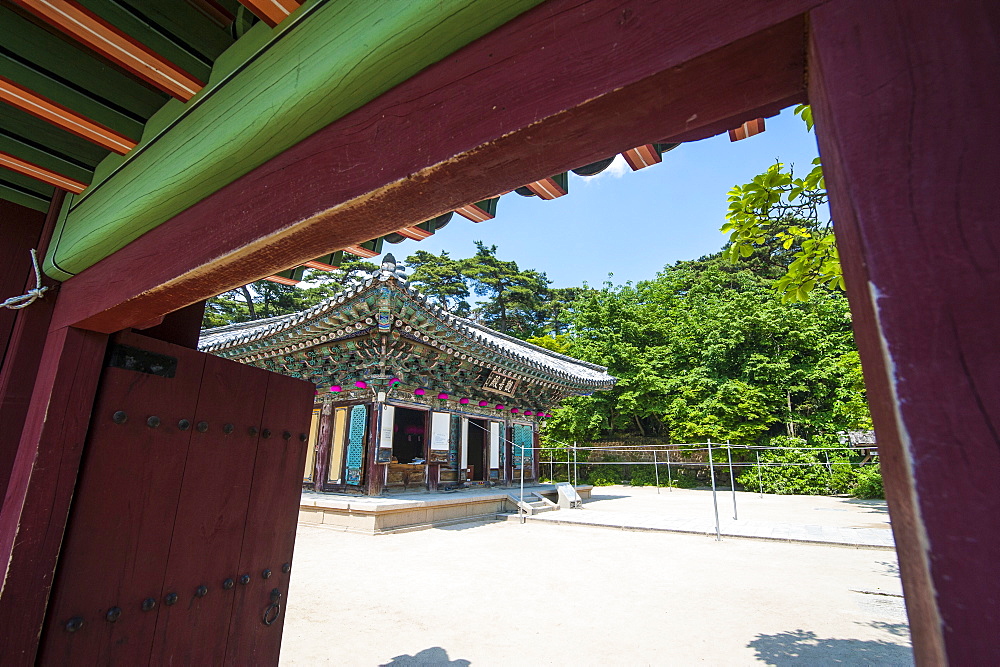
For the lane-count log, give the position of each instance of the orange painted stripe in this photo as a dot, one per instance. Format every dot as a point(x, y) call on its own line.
point(40, 107)
point(107, 40)
point(547, 188)
point(41, 173)
point(414, 233)
point(281, 280)
point(271, 12)
point(474, 213)
point(360, 251)
point(319, 266)
point(642, 156)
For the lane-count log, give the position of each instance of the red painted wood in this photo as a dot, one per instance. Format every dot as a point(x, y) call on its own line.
point(118, 538)
point(269, 534)
point(20, 228)
point(181, 327)
point(21, 345)
point(323, 441)
point(33, 517)
point(897, 89)
point(496, 125)
point(211, 514)
point(374, 479)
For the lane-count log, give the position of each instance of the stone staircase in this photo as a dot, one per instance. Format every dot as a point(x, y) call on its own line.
point(533, 503)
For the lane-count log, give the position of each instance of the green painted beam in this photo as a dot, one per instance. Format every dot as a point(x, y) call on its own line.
point(331, 58)
point(165, 44)
point(66, 64)
point(25, 191)
point(41, 156)
point(20, 125)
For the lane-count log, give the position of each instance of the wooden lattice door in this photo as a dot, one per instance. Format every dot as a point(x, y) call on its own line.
point(179, 544)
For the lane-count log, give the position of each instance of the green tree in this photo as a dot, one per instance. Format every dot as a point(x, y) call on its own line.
point(708, 350)
point(263, 298)
point(782, 217)
point(442, 278)
point(513, 299)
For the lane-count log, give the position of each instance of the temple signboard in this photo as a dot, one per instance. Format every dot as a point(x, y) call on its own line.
point(501, 383)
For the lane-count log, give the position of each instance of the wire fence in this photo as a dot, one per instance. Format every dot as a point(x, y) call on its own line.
point(674, 458)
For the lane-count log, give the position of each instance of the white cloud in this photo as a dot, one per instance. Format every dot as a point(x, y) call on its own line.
point(617, 169)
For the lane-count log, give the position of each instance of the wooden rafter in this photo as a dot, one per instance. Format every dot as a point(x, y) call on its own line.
point(281, 280)
point(747, 129)
point(41, 173)
point(272, 12)
point(547, 188)
point(360, 251)
point(415, 233)
point(110, 42)
point(642, 156)
point(40, 107)
point(319, 266)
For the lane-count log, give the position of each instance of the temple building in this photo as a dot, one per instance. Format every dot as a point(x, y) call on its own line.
point(409, 396)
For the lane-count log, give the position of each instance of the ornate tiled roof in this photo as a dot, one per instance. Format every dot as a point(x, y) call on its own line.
point(350, 313)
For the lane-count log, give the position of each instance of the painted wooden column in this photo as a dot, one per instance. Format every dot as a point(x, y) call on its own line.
point(902, 94)
point(374, 480)
point(23, 331)
point(41, 485)
point(323, 440)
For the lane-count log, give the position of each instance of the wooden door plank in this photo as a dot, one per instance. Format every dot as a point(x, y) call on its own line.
point(269, 535)
point(44, 475)
point(918, 241)
point(211, 513)
point(115, 552)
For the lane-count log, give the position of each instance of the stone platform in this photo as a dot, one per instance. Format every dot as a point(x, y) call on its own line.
point(414, 511)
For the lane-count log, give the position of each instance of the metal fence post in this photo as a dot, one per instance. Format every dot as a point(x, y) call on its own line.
point(576, 480)
point(760, 473)
point(732, 480)
point(656, 471)
point(670, 478)
point(715, 500)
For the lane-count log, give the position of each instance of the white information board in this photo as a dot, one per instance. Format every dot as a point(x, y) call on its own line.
point(388, 421)
point(440, 427)
point(464, 448)
point(494, 444)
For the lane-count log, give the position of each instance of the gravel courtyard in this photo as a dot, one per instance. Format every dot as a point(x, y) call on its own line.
point(544, 594)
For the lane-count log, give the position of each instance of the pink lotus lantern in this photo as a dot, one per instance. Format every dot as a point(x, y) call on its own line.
point(419, 391)
point(464, 401)
point(443, 396)
point(499, 407)
point(514, 411)
point(335, 388)
point(483, 404)
point(528, 413)
point(361, 384)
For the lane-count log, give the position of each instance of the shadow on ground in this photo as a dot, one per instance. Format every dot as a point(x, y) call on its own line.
point(874, 506)
point(429, 656)
point(803, 647)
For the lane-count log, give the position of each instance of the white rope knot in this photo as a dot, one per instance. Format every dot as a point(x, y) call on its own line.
point(25, 300)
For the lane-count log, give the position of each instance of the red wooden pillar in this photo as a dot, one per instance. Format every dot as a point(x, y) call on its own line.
point(323, 440)
point(41, 485)
point(22, 332)
point(903, 95)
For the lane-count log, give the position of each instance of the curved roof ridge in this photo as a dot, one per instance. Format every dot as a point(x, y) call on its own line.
point(530, 346)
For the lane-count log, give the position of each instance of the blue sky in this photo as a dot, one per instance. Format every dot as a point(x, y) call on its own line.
point(630, 224)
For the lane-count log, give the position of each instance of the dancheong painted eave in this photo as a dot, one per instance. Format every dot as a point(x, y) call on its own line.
point(355, 314)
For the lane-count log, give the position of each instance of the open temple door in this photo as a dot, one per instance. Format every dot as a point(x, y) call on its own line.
point(180, 537)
